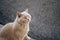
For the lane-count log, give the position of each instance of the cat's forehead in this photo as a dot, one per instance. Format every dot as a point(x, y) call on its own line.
point(25, 13)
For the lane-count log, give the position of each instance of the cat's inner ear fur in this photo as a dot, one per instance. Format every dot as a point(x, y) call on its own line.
point(26, 10)
point(19, 14)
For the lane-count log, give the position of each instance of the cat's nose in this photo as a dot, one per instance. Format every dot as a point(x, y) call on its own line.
point(28, 19)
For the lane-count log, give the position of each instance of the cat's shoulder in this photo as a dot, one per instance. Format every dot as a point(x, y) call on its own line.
point(11, 23)
point(8, 25)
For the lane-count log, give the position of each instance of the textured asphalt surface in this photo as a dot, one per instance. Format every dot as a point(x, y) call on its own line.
point(45, 23)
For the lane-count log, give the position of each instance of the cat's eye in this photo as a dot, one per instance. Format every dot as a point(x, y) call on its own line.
point(25, 17)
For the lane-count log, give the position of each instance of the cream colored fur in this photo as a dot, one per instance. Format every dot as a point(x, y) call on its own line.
point(17, 30)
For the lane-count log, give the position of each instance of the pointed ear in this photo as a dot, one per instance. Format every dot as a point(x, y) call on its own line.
point(18, 14)
point(26, 10)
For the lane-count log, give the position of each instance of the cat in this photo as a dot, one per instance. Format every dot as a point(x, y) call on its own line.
point(18, 29)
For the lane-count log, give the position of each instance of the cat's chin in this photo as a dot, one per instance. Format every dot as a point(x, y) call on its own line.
point(23, 22)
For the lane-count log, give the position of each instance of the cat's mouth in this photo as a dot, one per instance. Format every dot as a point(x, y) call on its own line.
point(26, 21)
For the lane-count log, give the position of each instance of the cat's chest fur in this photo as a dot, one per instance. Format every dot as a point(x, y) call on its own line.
point(21, 29)
point(14, 31)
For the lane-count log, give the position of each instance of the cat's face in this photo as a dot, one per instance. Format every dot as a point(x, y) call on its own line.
point(24, 16)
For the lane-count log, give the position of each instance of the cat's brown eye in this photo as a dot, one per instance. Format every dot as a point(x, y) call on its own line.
point(25, 17)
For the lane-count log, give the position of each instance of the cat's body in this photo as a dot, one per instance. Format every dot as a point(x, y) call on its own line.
point(17, 30)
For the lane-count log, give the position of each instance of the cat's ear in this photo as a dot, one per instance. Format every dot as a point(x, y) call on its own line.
point(27, 10)
point(18, 14)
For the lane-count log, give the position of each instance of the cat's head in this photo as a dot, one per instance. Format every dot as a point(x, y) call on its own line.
point(24, 16)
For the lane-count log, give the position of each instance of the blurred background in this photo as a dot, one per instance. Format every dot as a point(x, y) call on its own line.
point(45, 23)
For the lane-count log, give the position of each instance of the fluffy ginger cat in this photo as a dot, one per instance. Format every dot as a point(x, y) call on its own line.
point(17, 30)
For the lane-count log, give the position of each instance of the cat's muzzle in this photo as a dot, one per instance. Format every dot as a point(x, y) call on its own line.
point(27, 20)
